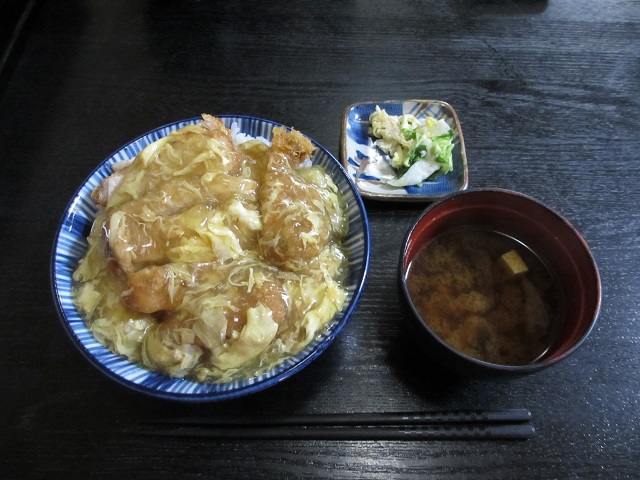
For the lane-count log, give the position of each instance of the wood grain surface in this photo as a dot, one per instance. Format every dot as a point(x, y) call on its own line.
point(548, 96)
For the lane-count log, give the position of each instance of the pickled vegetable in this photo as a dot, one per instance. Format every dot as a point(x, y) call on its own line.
point(418, 151)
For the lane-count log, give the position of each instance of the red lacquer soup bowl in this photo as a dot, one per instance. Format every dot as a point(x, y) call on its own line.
point(538, 228)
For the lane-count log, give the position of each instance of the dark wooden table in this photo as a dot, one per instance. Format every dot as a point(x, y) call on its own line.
point(548, 96)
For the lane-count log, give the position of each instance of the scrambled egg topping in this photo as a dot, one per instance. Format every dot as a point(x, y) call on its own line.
point(214, 258)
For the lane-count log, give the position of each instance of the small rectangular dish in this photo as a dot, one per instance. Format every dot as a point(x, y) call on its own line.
point(358, 150)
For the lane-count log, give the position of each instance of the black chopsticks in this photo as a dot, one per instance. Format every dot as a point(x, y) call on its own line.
point(507, 424)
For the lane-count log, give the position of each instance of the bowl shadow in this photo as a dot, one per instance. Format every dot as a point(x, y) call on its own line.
point(435, 384)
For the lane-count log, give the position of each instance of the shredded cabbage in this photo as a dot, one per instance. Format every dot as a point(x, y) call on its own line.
point(417, 151)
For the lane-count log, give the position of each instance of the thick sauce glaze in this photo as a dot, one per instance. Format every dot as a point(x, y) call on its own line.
point(214, 258)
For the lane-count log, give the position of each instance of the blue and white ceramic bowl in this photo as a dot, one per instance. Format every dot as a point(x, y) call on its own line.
point(70, 245)
point(357, 149)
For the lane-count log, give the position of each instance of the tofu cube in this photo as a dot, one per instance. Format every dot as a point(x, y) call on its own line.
point(512, 265)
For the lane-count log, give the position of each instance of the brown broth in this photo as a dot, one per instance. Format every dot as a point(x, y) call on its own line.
point(461, 290)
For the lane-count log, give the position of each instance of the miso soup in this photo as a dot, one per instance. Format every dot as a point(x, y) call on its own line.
point(487, 295)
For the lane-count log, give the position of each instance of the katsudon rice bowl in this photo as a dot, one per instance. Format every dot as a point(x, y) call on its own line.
point(210, 258)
